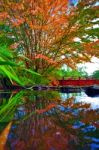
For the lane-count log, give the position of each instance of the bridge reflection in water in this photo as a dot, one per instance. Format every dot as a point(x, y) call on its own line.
point(90, 86)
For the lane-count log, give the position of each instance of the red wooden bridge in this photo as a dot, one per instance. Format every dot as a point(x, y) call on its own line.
point(78, 82)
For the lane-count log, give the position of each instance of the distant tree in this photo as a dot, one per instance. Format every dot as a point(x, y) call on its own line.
point(83, 72)
point(95, 74)
point(70, 73)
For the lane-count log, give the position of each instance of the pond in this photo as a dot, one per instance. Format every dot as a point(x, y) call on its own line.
point(48, 120)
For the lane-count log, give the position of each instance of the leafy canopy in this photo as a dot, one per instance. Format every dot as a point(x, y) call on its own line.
point(46, 31)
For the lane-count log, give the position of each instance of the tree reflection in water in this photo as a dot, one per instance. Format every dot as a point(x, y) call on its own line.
point(42, 121)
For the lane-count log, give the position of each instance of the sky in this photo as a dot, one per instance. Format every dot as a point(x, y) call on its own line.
point(91, 67)
point(88, 67)
point(74, 2)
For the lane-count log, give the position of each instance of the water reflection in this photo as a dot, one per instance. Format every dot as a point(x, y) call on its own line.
point(82, 97)
point(49, 120)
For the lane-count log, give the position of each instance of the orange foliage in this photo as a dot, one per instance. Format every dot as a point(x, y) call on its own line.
point(68, 102)
point(4, 135)
point(46, 29)
point(49, 107)
point(92, 47)
point(90, 116)
point(55, 82)
point(50, 61)
point(18, 22)
point(4, 15)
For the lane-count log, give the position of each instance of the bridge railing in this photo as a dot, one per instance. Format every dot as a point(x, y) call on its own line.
point(79, 82)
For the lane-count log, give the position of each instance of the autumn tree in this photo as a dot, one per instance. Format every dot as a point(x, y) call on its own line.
point(51, 33)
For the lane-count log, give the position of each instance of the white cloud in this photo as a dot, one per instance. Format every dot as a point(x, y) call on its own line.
point(91, 67)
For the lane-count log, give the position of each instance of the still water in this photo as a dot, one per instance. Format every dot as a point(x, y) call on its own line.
point(48, 120)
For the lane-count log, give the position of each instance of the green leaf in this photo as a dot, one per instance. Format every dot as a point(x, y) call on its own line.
point(32, 72)
point(8, 63)
point(9, 72)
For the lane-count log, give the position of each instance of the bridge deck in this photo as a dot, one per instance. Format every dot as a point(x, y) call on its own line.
point(79, 82)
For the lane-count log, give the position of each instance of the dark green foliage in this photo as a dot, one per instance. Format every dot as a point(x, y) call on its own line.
point(69, 73)
point(95, 74)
